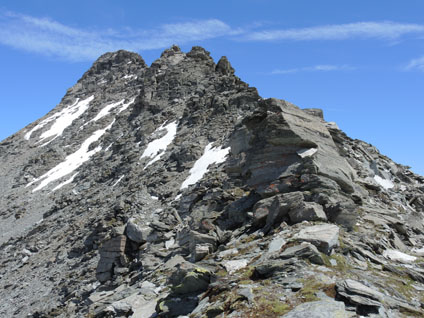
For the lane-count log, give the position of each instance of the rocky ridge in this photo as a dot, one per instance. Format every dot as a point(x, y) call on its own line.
point(175, 190)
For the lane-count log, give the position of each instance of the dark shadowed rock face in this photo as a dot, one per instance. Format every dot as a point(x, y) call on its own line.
point(176, 190)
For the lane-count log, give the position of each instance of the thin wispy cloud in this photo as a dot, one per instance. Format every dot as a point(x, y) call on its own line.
point(366, 30)
point(315, 68)
point(49, 37)
point(416, 64)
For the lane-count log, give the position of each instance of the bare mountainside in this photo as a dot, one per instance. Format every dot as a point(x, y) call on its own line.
point(175, 190)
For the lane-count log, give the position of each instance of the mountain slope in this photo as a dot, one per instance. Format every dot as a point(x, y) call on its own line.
point(176, 189)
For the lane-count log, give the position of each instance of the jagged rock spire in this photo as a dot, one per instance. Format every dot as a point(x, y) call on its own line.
point(224, 67)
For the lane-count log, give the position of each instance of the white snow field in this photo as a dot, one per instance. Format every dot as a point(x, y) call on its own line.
point(210, 156)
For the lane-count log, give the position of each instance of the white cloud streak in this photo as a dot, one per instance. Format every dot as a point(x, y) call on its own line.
point(315, 68)
point(416, 64)
point(48, 37)
point(371, 30)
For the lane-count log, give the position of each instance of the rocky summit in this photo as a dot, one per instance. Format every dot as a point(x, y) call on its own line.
point(175, 190)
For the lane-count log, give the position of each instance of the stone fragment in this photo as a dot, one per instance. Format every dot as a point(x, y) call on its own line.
point(137, 232)
point(111, 255)
point(359, 294)
point(276, 244)
point(271, 211)
point(247, 293)
point(234, 265)
point(237, 210)
point(307, 211)
point(122, 308)
point(201, 307)
point(398, 244)
point(398, 256)
point(194, 281)
point(175, 306)
point(270, 267)
point(304, 250)
point(319, 309)
point(306, 152)
point(201, 251)
point(418, 251)
point(229, 252)
point(324, 236)
point(196, 239)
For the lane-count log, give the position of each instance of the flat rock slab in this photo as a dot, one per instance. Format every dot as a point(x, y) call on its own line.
point(234, 265)
point(323, 236)
point(398, 256)
point(307, 211)
point(276, 244)
point(319, 309)
point(304, 250)
point(359, 294)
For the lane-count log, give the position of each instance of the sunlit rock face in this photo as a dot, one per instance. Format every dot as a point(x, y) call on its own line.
point(176, 190)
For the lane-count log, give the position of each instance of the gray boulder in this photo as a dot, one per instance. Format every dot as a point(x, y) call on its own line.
point(324, 236)
point(304, 250)
point(270, 211)
point(307, 211)
point(319, 309)
point(112, 253)
point(136, 232)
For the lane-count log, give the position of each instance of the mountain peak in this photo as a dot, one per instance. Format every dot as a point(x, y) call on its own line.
point(113, 61)
point(176, 190)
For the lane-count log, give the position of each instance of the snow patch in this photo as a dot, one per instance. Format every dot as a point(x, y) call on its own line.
point(306, 152)
point(396, 255)
point(130, 77)
point(120, 178)
point(61, 120)
point(386, 184)
point(108, 108)
point(157, 147)
point(65, 182)
point(72, 161)
point(169, 243)
point(210, 156)
point(108, 147)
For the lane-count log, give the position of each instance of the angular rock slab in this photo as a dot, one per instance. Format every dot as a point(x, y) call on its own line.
point(110, 254)
point(319, 309)
point(398, 256)
point(323, 236)
point(234, 265)
point(272, 210)
point(307, 211)
point(359, 294)
point(137, 232)
point(304, 250)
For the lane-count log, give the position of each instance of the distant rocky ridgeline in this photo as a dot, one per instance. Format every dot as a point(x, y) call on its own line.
point(175, 190)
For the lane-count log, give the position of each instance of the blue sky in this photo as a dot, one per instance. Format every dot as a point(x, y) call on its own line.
point(362, 62)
